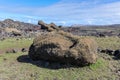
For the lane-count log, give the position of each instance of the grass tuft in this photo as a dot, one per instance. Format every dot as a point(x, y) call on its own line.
point(100, 63)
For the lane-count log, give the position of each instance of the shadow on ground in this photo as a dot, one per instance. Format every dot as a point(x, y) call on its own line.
point(116, 58)
point(43, 64)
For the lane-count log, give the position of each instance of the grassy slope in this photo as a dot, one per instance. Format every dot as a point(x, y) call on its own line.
point(14, 43)
point(11, 69)
point(109, 42)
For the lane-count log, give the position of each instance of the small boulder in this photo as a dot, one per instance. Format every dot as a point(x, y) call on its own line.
point(103, 51)
point(24, 50)
point(2, 39)
point(117, 53)
point(12, 51)
point(16, 33)
point(107, 51)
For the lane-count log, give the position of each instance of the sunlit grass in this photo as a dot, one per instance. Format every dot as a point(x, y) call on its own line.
point(14, 43)
point(12, 69)
point(100, 63)
point(109, 42)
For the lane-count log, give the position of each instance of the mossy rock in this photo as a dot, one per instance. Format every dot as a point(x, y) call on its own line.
point(64, 48)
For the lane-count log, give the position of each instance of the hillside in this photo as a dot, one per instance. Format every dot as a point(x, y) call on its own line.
point(16, 38)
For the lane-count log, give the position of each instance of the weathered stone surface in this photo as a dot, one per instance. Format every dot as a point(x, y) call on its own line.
point(49, 27)
point(12, 51)
point(64, 48)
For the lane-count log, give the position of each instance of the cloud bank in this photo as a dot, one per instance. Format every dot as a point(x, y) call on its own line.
point(68, 12)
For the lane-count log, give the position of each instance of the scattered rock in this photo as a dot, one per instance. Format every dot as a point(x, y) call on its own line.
point(117, 53)
point(12, 51)
point(16, 33)
point(103, 51)
point(118, 35)
point(101, 35)
point(118, 72)
point(11, 28)
point(46, 64)
point(17, 39)
point(4, 59)
point(2, 39)
point(24, 50)
point(107, 51)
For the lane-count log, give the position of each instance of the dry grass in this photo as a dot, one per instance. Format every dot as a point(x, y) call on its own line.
point(11, 69)
point(104, 69)
point(14, 43)
point(109, 42)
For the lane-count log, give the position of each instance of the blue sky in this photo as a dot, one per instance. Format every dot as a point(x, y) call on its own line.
point(62, 12)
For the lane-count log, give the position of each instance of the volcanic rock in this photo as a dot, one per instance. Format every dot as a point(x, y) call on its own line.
point(63, 47)
point(117, 53)
point(49, 27)
point(12, 51)
point(24, 50)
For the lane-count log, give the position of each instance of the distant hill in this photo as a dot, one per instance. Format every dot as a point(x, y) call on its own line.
point(83, 30)
point(15, 24)
point(80, 25)
point(11, 28)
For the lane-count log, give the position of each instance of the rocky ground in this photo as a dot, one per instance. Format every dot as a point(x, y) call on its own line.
point(16, 38)
point(97, 31)
point(11, 28)
point(19, 66)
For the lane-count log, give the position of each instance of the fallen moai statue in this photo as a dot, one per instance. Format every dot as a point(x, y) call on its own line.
point(63, 47)
point(49, 27)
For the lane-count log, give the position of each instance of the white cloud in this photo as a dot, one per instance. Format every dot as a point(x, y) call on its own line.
point(73, 12)
point(29, 21)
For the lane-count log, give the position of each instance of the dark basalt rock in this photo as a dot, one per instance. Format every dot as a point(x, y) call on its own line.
point(117, 53)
